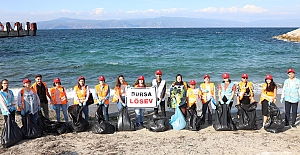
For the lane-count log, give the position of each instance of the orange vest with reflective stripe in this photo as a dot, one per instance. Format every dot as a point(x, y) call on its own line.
point(102, 92)
point(117, 92)
point(22, 99)
point(81, 94)
point(266, 94)
point(46, 88)
point(212, 92)
point(62, 95)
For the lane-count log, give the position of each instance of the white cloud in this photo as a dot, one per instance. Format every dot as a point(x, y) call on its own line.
point(161, 11)
point(246, 9)
point(98, 11)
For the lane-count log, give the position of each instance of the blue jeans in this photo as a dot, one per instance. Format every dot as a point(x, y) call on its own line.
point(120, 103)
point(288, 106)
point(64, 109)
point(86, 112)
point(139, 115)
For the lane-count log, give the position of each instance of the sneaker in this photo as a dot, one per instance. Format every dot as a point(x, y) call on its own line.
point(286, 124)
point(137, 124)
point(293, 125)
point(142, 124)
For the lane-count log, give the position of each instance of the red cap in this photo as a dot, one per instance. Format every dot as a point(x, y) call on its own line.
point(268, 76)
point(245, 76)
point(205, 76)
point(56, 80)
point(158, 72)
point(26, 80)
point(101, 78)
point(81, 78)
point(225, 76)
point(290, 70)
point(192, 82)
point(141, 77)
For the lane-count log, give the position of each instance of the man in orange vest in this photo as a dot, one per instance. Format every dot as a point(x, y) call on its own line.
point(42, 90)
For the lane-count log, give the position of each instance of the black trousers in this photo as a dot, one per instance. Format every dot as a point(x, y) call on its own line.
point(209, 114)
point(12, 114)
point(162, 107)
point(288, 106)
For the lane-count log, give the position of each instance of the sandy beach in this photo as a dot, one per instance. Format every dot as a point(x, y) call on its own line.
point(142, 141)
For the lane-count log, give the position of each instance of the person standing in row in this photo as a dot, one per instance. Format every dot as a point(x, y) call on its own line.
point(160, 92)
point(28, 101)
point(268, 95)
point(291, 95)
point(178, 94)
point(208, 93)
point(82, 93)
point(7, 100)
point(103, 94)
point(59, 99)
point(42, 90)
point(193, 95)
point(120, 92)
point(226, 91)
point(139, 112)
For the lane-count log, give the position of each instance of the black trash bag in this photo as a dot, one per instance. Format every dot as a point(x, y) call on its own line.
point(124, 121)
point(63, 127)
point(247, 116)
point(101, 126)
point(193, 121)
point(159, 124)
point(78, 124)
point(223, 120)
point(46, 124)
point(11, 133)
point(274, 123)
point(30, 129)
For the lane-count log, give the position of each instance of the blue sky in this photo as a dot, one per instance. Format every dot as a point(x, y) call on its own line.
point(238, 10)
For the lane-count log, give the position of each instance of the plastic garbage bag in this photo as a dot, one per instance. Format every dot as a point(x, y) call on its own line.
point(124, 121)
point(177, 120)
point(11, 133)
point(247, 116)
point(78, 124)
point(274, 123)
point(193, 121)
point(30, 129)
point(223, 120)
point(158, 124)
point(101, 126)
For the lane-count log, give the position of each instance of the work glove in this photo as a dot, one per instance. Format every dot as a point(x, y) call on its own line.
point(84, 103)
point(80, 104)
point(105, 105)
point(228, 102)
point(205, 91)
point(39, 108)
point(128, 86)
point(221, 102)
point(124, 104)
point(270, 102)
point(281, 100)
point(22, 112)
point(12, 108)
point(5, 113)
point(153, 86)
point(99, 102)
point(158, 102)
point(54, 107)
point(213, 101)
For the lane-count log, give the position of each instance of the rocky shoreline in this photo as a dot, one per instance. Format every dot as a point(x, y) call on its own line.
point(293, 36)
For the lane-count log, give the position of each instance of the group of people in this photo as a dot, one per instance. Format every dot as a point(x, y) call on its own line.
point(33, 98)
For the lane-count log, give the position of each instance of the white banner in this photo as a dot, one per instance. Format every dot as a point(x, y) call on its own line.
point(141, 97)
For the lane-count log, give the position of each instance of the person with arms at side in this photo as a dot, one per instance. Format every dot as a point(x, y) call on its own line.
point(42, 90)
point(160, 92)
point(226, 91)
point(28, 101)
point(82, 93)
point(103, 93)
point(120, 92)
point(7, 100)
point(193, 95)
point(139, 112)
point(208, 94)
point(291, 96)
point(59, 99)
point(178, 94)
point(268, 95)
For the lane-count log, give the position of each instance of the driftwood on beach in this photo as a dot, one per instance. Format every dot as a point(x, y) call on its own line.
point(293, 36)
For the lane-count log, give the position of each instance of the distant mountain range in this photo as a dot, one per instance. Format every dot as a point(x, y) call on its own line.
point(160, 22)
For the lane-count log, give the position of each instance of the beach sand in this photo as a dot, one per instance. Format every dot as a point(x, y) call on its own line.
point(142, 141)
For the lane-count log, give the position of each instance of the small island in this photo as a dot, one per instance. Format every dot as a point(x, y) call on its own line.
point(293, 36)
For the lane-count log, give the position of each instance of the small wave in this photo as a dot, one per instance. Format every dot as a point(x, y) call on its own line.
point(112, 63)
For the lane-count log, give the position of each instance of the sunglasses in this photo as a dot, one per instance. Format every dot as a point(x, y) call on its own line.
point(244, 78)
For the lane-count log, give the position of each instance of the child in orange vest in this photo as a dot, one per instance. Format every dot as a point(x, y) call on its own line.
point(59, 99)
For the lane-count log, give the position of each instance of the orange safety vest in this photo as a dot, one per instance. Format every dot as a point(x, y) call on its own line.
point(117, 92)
point(22, 99)
point(266, 94)
point(35, 88)
point(62, 95)
point(204, 95)
point(243, 90)
point(81, 94)
point(102, 92)
point(192, 95)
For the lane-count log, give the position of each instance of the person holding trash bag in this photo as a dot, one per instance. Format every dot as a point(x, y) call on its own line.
point(103, 93)
point(7, 100)
point(226, 90)
point(120, 92)
point(192, 96)
point(82, 93)
point(178, 94)
point(268, 96)
point(208, 94)
point(28, 101)
point(59, 99)
point(160, 92)
point(244, 91)
point(291, 96)
point(139, 112)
